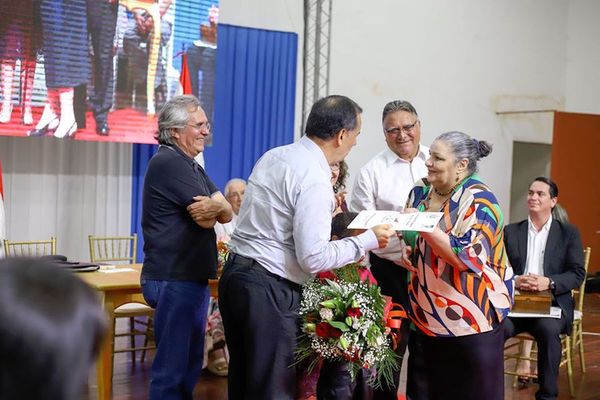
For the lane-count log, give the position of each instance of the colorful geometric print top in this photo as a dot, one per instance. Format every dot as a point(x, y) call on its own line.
point(448, 302)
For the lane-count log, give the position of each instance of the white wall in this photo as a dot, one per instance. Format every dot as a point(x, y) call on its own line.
point(583, 57)
point(459, 62)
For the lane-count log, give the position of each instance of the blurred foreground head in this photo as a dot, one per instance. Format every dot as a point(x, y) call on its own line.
point(51, 326)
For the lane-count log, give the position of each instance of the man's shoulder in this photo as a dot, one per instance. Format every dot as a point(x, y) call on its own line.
point(565, 228)
point(166, 161)
point(515, 225)
point(375, 163)
point(511, 230)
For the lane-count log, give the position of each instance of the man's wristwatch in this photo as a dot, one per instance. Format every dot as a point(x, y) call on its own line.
point(552, 284)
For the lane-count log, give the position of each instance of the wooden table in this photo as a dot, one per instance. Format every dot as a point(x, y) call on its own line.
point(115, 290)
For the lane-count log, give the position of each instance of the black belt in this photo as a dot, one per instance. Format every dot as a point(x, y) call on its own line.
point(250, 262)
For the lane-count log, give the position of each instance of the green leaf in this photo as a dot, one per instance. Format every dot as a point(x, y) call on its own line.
point(329, 304)
point(339, 325)
point(343, 343)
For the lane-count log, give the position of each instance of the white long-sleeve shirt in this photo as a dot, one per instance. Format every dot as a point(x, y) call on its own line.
point(536, 247)
point(285, 219)
point(224, 231)
point(384, 183)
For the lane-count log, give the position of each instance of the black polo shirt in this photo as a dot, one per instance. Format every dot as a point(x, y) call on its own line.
point(175, 247)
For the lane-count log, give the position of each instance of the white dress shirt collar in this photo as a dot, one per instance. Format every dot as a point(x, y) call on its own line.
point(390, 157)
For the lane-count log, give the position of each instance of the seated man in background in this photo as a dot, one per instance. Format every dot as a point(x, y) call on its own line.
point(546, 254)
point(51, 330)
point(234, 193)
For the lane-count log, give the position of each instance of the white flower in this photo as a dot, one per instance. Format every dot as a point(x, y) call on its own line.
point(326, 314)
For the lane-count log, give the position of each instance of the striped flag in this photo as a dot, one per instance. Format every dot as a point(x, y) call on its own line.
point(2, 219)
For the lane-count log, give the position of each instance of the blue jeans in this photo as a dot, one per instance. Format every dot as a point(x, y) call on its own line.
point(179, 328)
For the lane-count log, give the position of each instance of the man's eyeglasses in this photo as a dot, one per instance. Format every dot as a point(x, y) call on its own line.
point(405, 128)
point(204, 126)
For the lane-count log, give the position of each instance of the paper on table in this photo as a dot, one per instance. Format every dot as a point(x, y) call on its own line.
point(116, 270)
point(418, 221)
point(555, 312)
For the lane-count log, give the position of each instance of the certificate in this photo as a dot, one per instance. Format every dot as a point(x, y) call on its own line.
point(417, 221)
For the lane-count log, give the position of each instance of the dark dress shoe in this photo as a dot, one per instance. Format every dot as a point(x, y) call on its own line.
point(38, 132)
point(43, 130)
point(103, 129)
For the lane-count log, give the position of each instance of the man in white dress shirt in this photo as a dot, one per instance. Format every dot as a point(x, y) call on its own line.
point(384, 184)
point(282, 240)
point(234, 193)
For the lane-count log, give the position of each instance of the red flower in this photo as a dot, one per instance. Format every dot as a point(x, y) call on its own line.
point(351, 357)
point(353, 312)
point(325, 330)
point(327, 275)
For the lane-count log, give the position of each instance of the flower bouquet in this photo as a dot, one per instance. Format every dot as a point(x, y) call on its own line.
point(344, 319)
point(222, 256)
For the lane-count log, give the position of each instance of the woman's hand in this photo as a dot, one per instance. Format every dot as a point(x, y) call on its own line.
point(405, 258)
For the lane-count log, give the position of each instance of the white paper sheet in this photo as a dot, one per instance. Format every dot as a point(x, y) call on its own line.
point(555, 312)
point(418, 221)
point(115, 270)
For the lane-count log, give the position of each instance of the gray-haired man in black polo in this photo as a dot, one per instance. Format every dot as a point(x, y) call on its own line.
point(180, 208)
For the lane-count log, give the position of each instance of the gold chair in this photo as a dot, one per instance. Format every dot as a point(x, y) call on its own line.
point(577, 335)
point(123, 249)
point(30, 248)
point(570, 343)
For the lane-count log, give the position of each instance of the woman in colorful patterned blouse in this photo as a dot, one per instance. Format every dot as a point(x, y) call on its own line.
point(461, 285)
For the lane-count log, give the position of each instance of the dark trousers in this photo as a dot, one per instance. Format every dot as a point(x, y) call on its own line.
point(260, 315)
point(465, 367)
point(335, 383)
point(416, 384)
point(179, 329)
point(393, 281)
point(546, 332)
point(102, 20)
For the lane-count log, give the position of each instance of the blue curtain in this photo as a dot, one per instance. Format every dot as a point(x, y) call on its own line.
point(255, 92)
point(142, 153)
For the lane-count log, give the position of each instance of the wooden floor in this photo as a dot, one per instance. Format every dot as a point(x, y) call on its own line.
point(132, 383)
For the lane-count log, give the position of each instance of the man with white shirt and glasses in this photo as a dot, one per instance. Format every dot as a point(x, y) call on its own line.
point(281, 241)
point(546, 254)
point(384, 184)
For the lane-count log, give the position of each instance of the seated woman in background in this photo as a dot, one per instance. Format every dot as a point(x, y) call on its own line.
point(51, 330)
point(461, 283)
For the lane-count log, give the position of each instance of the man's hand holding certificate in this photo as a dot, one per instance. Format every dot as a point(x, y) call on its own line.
point(416, 221)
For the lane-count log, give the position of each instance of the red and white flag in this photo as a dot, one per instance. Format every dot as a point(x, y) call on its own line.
point(2, 219)
point(185, 82)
